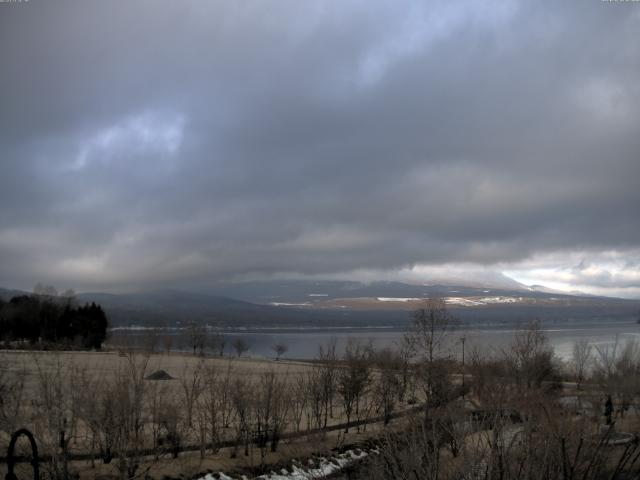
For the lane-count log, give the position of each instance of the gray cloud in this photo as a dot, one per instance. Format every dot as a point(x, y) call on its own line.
point(167, 142)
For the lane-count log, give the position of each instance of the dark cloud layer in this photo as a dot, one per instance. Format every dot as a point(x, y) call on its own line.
point(148, 143)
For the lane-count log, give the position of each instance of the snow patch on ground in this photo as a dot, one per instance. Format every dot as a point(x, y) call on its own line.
point(501, 299)
point(464, 302)
point(318, 468)
point(477, 301)
point(398, 299)
point(460, 301)
point(324, 467)
point(216, 476)
point(285, 304)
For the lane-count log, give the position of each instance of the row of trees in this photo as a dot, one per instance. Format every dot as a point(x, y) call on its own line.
point(51, 320)
point(201, 341)
point(611, 368)
point(123, 417)
point(518, 428)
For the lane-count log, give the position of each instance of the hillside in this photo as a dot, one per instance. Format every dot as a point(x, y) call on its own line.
point(302, 304)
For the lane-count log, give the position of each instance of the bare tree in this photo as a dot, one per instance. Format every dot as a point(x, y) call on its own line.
point(316, 393)
point(490, 372)
point(45, 290)
point(213, 407)
point(151, 340)
point(12, 383)
point(299, 399)
point(270, 412)
point(531, 356)
point(580, 360)
point(217, 343)
point(69, 298)
point(55, 426)
point(328, 376)
point(240, 345)
point(161, 407)
point(197, 337)
point(617, 370)
point(167, 342)
point(547, 443)
point(353, 380)
point(191, 387)
point(404, 363)
point(167, 420)
point(414, 453)
point(242, 405)
point(279, 349)
point(387, 385)
point(89, 413)
point(281, 409)
point(430, 326)
point(210, 405)
point(224, 392)
point(426, 337)
point(122, 402)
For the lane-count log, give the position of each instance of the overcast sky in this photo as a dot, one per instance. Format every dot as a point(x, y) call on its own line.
point(178, 143)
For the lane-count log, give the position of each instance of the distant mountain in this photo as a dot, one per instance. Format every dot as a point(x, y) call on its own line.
point(305, 303)
point(543, 289)
point(553, 291)
point(162, 300)
point(309, 292)
point(171, 307)
point(7, 293)
point(179, 308)
point(483, 280)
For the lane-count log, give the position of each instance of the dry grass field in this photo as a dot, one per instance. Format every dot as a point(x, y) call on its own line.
point(107, 404)
point(103, 364)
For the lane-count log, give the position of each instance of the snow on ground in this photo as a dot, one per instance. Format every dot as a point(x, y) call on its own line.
point(398, 299)
point(460, 301)
point(216, 476)
point(284, 304)
point(501, 299)
point(317, 468)
point(322, 467)
point(476, 301)
point(463, 302)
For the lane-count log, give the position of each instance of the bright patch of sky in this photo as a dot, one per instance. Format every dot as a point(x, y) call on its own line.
point(422, 26)
point(138, 135)
point(611, 273)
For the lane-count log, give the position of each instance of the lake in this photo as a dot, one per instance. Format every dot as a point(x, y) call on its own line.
point(304, 343)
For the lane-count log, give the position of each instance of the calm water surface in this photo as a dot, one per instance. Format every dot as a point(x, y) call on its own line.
point(304, 343)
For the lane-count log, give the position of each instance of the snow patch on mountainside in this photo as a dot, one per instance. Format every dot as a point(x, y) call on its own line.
point(460, 301)
point(477, 301)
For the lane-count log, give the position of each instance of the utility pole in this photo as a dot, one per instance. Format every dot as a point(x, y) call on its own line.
point(462, 340)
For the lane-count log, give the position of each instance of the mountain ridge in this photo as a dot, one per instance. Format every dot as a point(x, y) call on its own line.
point(296, 304)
